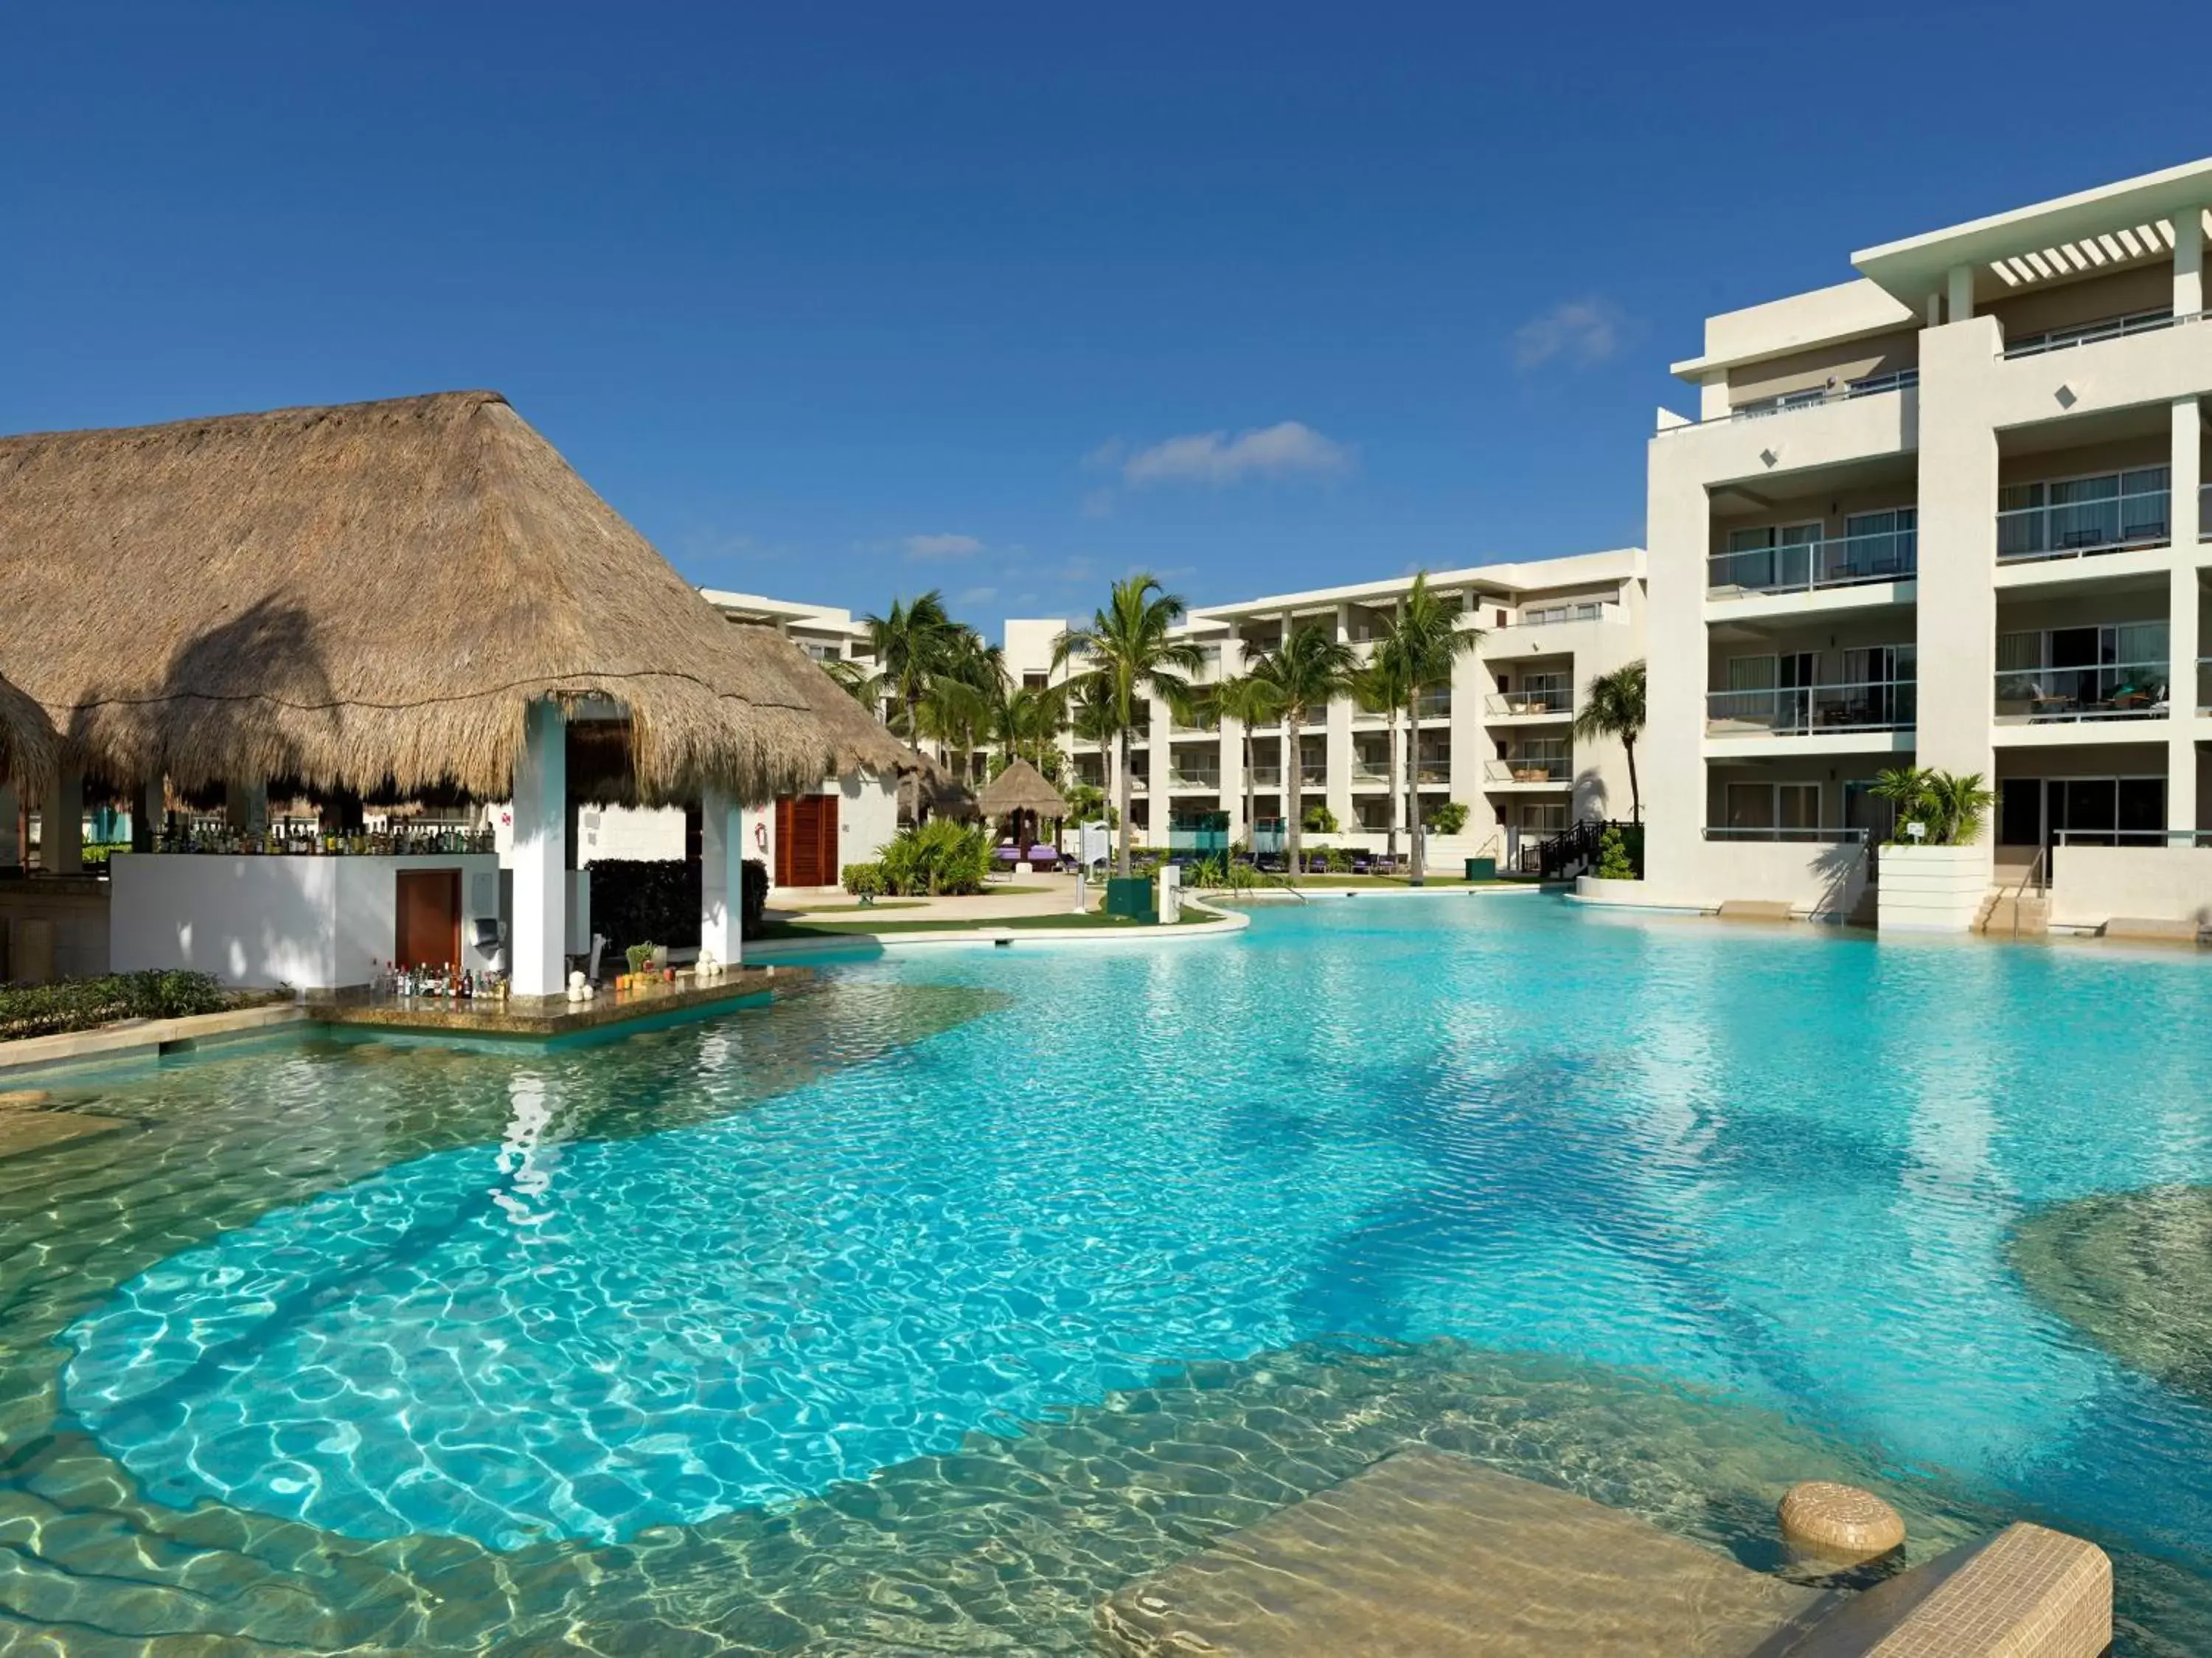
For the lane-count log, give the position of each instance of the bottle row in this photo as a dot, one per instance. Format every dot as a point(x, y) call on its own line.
point(360, 843)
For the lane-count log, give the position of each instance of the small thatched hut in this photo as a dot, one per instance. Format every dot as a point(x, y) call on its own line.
point(1021, 794)
point(368, 597)
point(927, 790)
point(411, 597)
point(27, 737)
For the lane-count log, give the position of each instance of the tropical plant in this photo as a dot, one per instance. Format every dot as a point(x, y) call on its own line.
point(1249, 700)
point(1446, 817)
point(1127, 653)
point(857, 680)
point(1418, 647)
point(1613, 860)
point(1948, 806)
point(863, 880)
point(1380, 688)
point(953, 712)
point(936, 857)
point(1087, 803)
point(1025, 719)
point(1318, 819)
point(1306, 671)
point(911, 645)
point(637, 956)
point(1612, 706)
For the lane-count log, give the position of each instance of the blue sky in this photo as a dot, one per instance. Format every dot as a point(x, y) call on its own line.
point(840, 301)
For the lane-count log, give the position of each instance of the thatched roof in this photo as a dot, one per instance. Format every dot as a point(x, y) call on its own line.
point(927, 782)
point(26, 739)
point(1021, 788)
point(369, 596)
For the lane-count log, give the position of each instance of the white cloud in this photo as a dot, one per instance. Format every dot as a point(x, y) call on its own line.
point(1098, 504)
point(972, 596)
point(1106, 455)
point(1580, 331)
point(942, 546)
point(1285, 449)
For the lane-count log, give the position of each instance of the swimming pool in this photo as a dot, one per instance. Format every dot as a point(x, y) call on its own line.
point(927, 1309)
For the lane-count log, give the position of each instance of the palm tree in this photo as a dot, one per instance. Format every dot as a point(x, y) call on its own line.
point(953, 712)
point(1380, 689)
point(1249, 701)
point(1025, 722)
point(1127, 652)
point(1306, 672)
point(855, 681)
point(1419, 646)
point(1612, 706)
point(911, 645)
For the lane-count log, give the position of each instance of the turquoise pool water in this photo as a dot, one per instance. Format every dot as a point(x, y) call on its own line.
point(1475, 1160)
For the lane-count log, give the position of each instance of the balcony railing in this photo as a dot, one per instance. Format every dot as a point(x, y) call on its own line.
point(2088, 333)
point(2204, 685)
point(1313, 777)
point(1193, 779)
point(2111, 523)
point(1370, 772)
point(1528, 769)
point(2110, 690)
point(1266, 776)
point(1536, 699)
point(1439, 772)
point(1434, 705)
point(1808, 709)
point(1839, 561)
point(1829, 836)
point(2205, 512)
point(1553, 615)
point(1873, 385)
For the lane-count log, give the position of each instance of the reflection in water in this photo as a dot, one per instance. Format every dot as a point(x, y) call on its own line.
point(1090, 1241)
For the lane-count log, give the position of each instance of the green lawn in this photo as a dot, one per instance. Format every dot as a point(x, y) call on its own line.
point(775, 930)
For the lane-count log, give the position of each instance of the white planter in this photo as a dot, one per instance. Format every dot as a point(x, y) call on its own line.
point(1596, 890)
point(1933, 889)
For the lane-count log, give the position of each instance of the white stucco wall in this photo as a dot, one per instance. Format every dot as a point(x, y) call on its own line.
point(256, 922)
point(2092, 885)
point(1933, 889)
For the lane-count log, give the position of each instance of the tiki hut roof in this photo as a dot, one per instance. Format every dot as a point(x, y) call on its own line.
point(1021, 788)
point(367, 597)
point(927, 782)
point(27, 737)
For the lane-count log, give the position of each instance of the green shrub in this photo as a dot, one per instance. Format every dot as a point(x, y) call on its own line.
point(1339, 860)
point(79, 1004)
point(1613, 862)
point(1446, 817)
point(936, 857)
point(864, 879)
point(1319, 819)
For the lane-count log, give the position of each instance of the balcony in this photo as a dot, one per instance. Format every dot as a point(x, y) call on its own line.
point(1265, 777)
point(1873, 385)
point(1555, 615)
point(1433, 705)
point(1814, 835)
point(1180, 778)
point(1370, 773)
point(1528, 769)
point(2088, 333)
point(2081, 517)
point(1439, 772)
point(1813, 709)
point(2109, 691)
point(1532, 702)
point(1839, 561)
point(1311, 776)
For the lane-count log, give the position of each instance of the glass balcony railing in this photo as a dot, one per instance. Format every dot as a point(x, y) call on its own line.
point(2088, 333)
point(1531, 700)
point(2074, 529)
point(1437, 772)
point(1553, 615)
point(1266, 776)
point(1810, 709)
point(1370, 772)
point(1313, 777)
point(2109, 691)
point(1434, 704)
point(1839, 561)
point(1873, 385)
point(1187, 779)
point(1529, 768)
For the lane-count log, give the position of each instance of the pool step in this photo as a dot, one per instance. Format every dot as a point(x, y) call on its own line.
point(2015, 915)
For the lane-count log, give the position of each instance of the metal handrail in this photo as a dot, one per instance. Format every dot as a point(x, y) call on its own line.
point(1508, 771)
point(1536, 699)
point(1809, 710)
point(2079, 692)
point(1808, 566)
point(2088, 333)
point(1824, 835)
point(2076, 529)
point(1871, 386)
point(1558, 615)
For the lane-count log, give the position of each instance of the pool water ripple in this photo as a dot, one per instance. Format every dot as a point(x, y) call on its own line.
point(1782, 1170)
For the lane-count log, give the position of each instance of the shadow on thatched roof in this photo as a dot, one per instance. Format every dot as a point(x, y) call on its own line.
point(927, 782)
point(27, 737)
point(1021, 788)
point(369, 596)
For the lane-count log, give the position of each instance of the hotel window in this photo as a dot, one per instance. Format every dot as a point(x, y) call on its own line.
point(1773, 805)
point(1775, 555)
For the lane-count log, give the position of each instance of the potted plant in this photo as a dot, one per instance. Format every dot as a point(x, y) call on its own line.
point(1934, 874)
point(637, 956)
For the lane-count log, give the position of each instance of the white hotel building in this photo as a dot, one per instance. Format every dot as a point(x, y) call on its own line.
point(1950, 512)
point(1497, 740)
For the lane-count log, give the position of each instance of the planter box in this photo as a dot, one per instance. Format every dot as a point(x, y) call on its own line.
point(1933, 889)
point(1600, 891)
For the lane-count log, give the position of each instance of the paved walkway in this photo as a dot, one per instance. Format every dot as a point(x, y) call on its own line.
point(1022, 895)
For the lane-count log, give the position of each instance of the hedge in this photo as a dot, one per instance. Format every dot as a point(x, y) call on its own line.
point(637, 901)
point(80, 1004)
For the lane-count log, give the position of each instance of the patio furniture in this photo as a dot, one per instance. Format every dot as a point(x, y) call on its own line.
point(1044, 859)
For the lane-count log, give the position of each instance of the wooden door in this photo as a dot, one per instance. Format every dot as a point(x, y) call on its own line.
point(806, 841)
point(429, 919)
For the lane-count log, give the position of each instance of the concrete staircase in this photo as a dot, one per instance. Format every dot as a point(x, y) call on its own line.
point(2015, 914)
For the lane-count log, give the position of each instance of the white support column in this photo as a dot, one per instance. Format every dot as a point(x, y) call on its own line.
point(61, 824)
point(1336, 741)
point(541, 830)
point(11, 847)
point(1959, 299)
point(1233, 779)
point(2188, 261)
point(721, 879)
point(2183, 643)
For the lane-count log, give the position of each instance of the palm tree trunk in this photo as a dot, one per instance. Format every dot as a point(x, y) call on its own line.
point(1635, 794)
point(1292, 779)
point(1251, 797)
point(1121, 786)
point(1397, 786)
point(1413, 786)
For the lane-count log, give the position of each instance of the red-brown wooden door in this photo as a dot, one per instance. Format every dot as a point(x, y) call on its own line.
point(429, 919)
point(806, 840)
